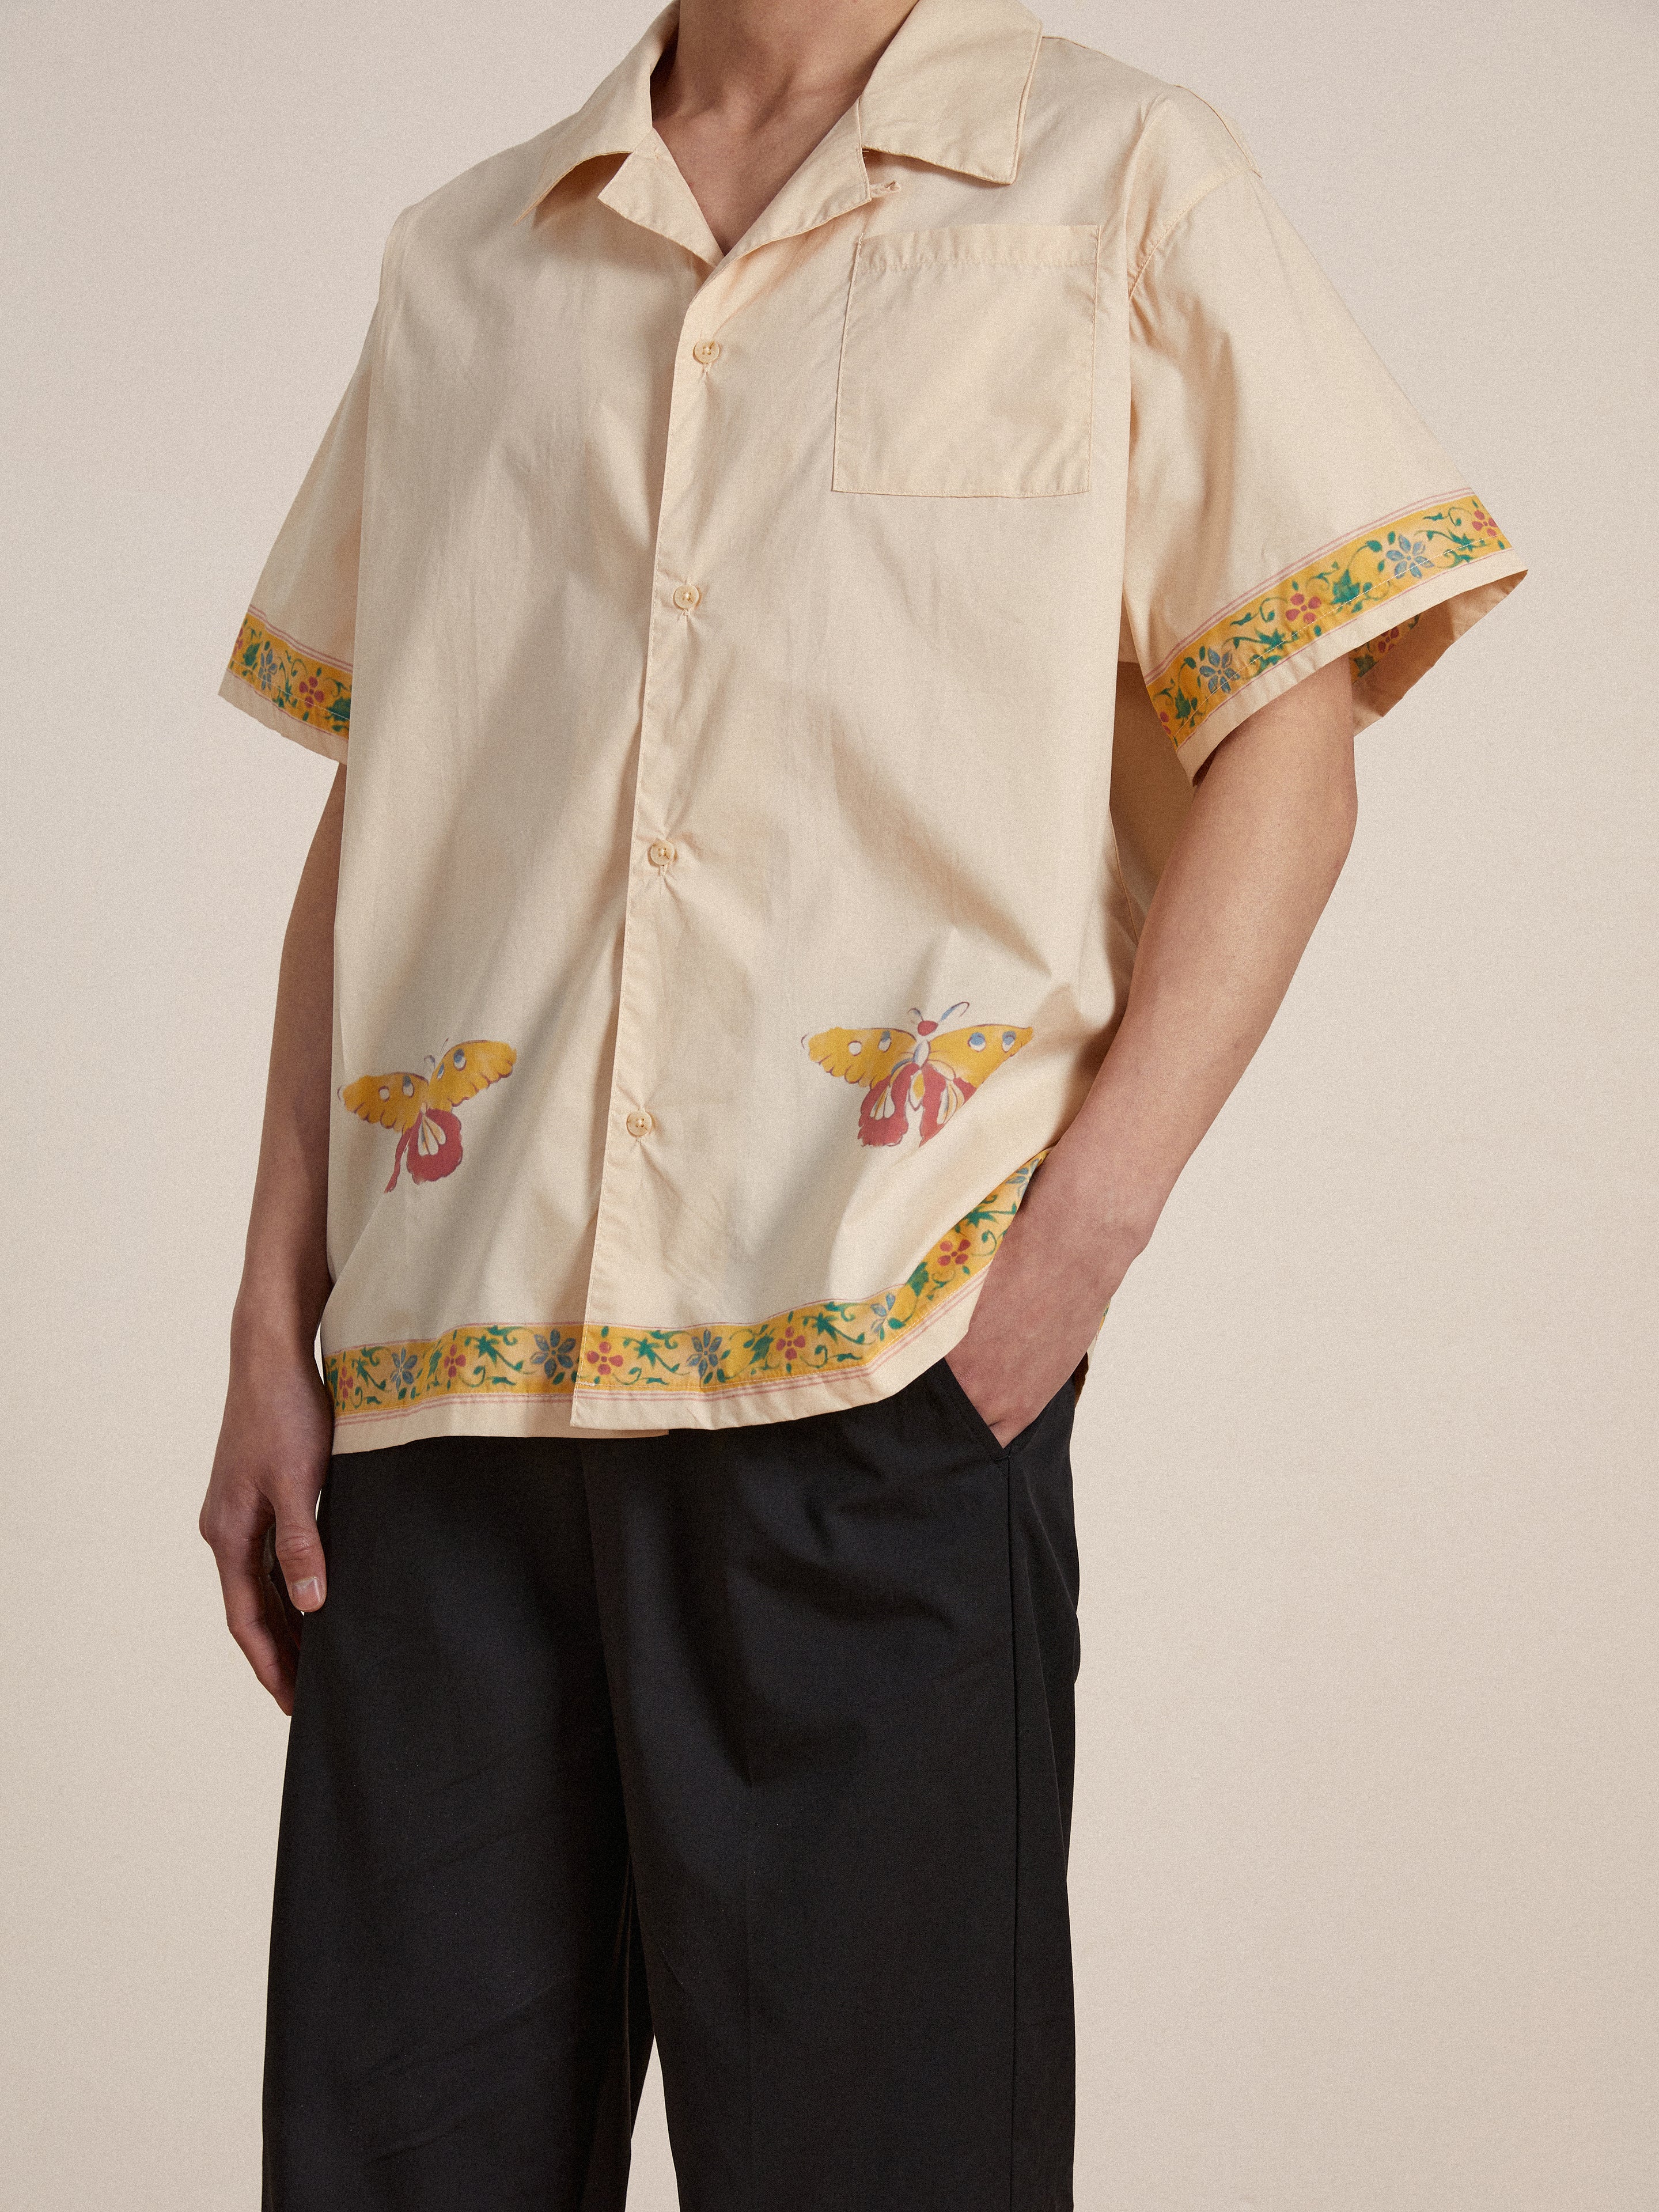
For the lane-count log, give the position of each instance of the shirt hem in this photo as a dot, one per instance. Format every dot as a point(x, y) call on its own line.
point(602, 1416)
point(552, 1378)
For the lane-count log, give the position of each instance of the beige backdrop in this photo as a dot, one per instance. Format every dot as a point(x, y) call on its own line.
point(1365, 1849)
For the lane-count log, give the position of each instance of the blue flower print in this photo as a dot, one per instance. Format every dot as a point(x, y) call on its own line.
point(1410, 557)
point(707, 1353)
point(556, 1356)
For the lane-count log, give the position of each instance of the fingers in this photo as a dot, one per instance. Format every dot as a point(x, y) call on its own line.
point(269, 1651)
point(281, 1619)
point(299, 1550)
point(285, 1618)
point(260, 1513)
point(269, 1554)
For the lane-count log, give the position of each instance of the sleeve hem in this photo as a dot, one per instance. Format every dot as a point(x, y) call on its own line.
point(238, 691)
point(288, 688)
point(1411, 642)
point(1370, 599)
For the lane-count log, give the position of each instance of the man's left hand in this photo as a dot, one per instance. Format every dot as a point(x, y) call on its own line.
point(1041, 1304)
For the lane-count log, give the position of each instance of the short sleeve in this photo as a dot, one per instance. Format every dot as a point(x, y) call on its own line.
point(291, 668)
point(1287, 504)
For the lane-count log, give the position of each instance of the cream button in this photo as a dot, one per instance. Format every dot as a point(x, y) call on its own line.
point(706, 350)
point(640, 1124)
point(661, 854)
point(686, 597)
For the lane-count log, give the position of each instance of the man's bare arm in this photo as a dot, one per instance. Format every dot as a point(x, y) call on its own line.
point(1257, 857)
point(274, 1439)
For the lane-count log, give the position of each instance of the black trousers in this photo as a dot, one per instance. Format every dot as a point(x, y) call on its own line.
point(758, 1741)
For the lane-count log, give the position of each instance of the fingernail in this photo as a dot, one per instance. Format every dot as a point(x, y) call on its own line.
point(307, 1595)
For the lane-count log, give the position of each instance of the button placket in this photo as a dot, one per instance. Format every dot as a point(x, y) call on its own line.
point(683, 508)
point(683, 537)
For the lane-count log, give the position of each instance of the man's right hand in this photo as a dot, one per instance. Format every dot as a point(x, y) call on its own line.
point(260, 1511)
point(268, 1470)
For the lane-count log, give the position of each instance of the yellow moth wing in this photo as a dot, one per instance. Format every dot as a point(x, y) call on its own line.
point(390, 1102)
point(468, 1069)
point(862, 1056)
point(979, 1050)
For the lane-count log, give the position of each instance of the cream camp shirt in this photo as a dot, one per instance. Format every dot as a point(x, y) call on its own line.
point(726, 648)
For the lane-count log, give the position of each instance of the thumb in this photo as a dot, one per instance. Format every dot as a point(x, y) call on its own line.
point(299, 1550)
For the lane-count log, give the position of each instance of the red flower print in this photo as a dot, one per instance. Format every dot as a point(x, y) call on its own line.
point(792, 1343)
point(1304, 606)
point(453, 1360)
point(605, 1358)
point(955, 1251)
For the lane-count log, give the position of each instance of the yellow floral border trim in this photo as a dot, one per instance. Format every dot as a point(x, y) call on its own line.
point(311, 690)
point(1389, 558)
point(545, 1360)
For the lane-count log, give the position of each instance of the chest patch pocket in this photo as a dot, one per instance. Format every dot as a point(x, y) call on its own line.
point(966, 363)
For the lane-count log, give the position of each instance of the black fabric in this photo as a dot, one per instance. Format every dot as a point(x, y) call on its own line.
point(757, 1740)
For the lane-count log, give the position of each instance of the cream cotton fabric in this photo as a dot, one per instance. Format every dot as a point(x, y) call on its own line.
point(726, 650)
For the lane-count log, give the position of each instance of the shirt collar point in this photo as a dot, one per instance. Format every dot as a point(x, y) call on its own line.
point(615, 119)
point(951, 88)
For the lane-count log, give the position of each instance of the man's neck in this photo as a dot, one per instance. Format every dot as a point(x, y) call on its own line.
point(747, 60)
point(750, 87)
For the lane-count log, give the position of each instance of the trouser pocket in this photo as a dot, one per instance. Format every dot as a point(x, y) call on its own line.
point(962, 1411)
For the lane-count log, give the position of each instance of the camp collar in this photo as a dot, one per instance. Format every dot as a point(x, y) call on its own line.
point(949, 89)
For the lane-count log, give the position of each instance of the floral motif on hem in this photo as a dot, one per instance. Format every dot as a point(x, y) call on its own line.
point(1364, 658)
point(543, 1360)
point(1366, 572)
point(311, 690)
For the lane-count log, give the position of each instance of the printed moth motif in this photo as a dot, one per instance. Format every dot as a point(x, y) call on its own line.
point(422, 1108)
point(930, 1071)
